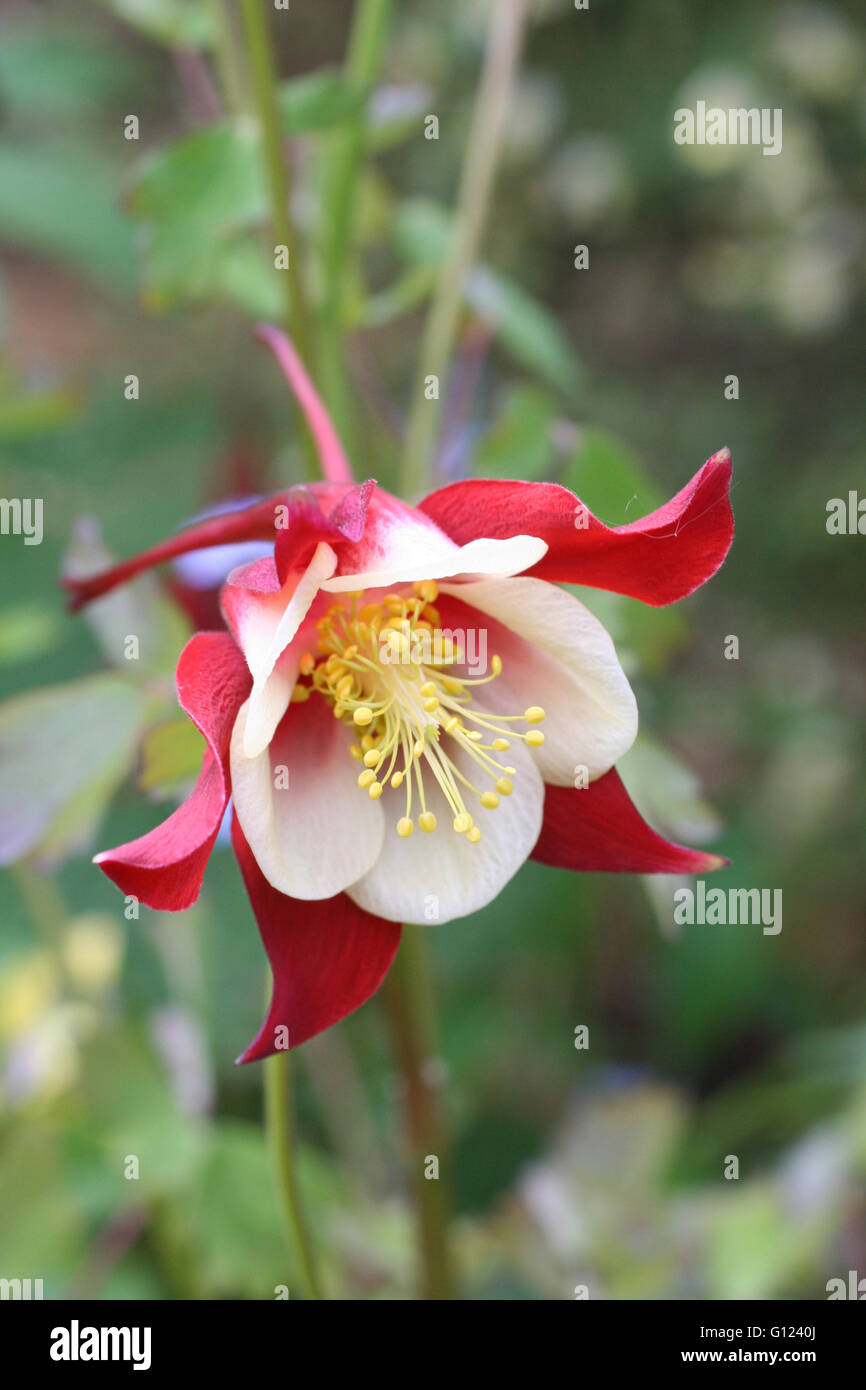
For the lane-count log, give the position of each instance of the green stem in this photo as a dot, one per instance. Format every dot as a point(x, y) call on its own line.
point(363, 55)
point(278, 1123)
point(229, 69)
point(410, 1001)
point(476, 182)
point(264, 79)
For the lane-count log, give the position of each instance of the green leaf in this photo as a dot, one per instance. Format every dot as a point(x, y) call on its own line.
point(62, 201)
point(34, 412)
point(138, 609)
point(519, 444)
point(27, 630)
point(606, 475)
point(176, 23)
point(194, 196)
point(134, 1113)
point(63, 751)
point(57, 74)
point(422, 232)
point(170, 756)
point(231, 1219)
point(318, 101)
point(530, 332)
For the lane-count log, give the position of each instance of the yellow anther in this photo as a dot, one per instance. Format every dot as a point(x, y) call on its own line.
point(350, 652)
point(366, 778)
point(306, 664)
point(535, 738)
point(345, 687)
point(452, 723)
point(418, 747)
point(397, 779)
point(476, 735)
point(374, 791)
point(356, 753)
point(428, 688)
point(427, 821)
point(511, 771)
point(363, 715)
point(473, 835)
point(372, 757)
point(534, 714)
point(339, 710)
point(427, 589)
point(369, 612)
point(503, 786)
point(496, 665)
point(451, 685)
point(500, 744)
point(431, 615)
point(368, 742)
point(431, 704)
point(391, 599)
point(490, 800)
point(300, 693)
point(404, 827)
point(462, 822)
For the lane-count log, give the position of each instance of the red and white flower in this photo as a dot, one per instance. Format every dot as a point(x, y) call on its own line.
point(376, 779)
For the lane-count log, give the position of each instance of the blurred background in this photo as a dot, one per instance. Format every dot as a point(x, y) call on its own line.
point(603, 1166)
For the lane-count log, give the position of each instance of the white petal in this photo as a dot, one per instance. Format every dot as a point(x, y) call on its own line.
point(272, 685)
point(436, 877)
point(436, 556)
point(314, 837)
point(564, 660)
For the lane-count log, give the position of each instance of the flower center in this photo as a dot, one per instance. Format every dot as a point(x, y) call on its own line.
point(387, 669)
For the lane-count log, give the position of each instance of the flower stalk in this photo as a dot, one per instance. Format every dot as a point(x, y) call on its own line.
point(278, 1124)
point(476, 182)
point(264, 80)
point(409, 995)
point(363, 56)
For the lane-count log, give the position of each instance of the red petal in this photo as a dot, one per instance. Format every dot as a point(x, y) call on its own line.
point(341, 520)
point(164, 868)
point(328, 957)
point(255, 523)
point(598, 829)
point(659, 559)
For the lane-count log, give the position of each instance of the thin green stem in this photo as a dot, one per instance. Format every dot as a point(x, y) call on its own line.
point(226, 57)
point(363, 55)
point(264, 79)
point(278, 1123)
point(476, 182)
point(410, 1001)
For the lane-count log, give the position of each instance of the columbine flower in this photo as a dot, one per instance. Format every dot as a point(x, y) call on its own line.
point(378, 776)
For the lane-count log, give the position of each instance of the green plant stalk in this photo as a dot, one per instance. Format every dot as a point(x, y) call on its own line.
point(409, 996)
point(476, 182)
point(363, 55)
point(278, 1124)
point(229, 69)
point(264, 80)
